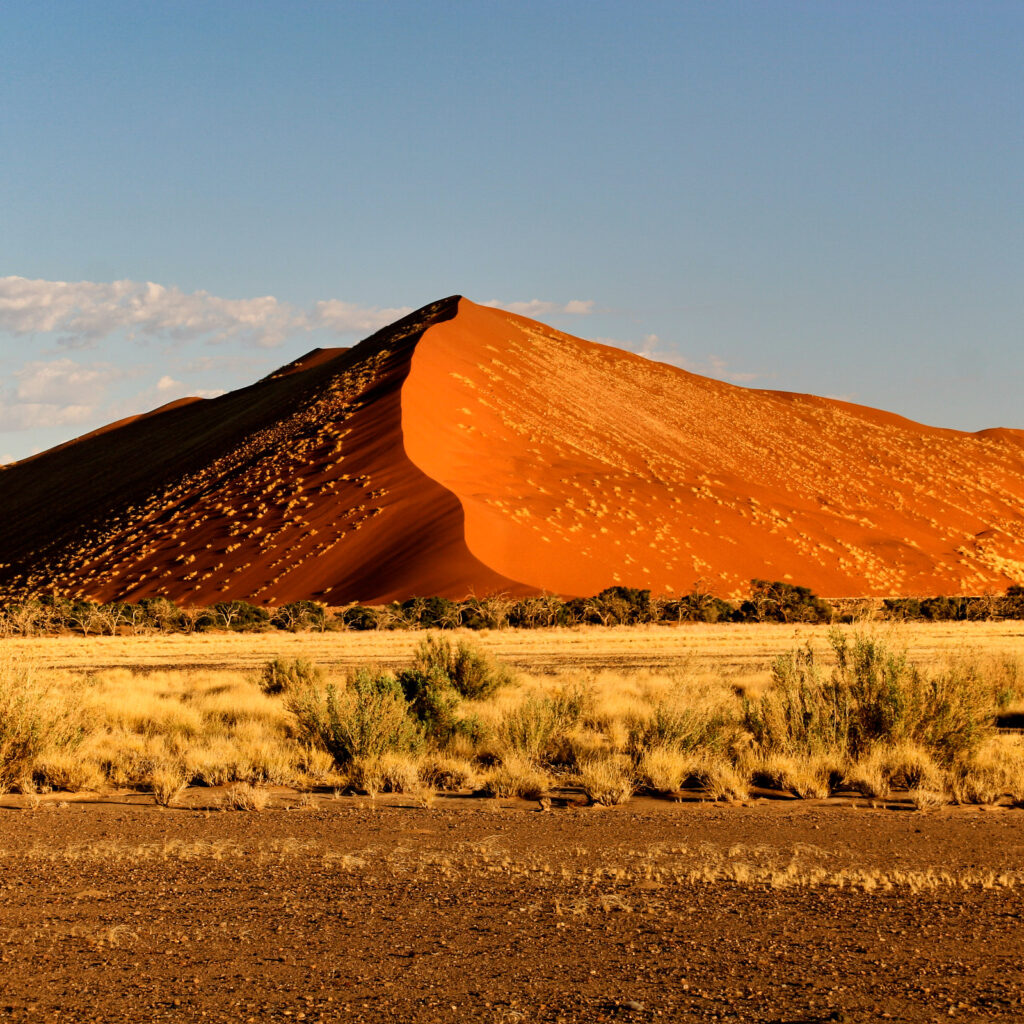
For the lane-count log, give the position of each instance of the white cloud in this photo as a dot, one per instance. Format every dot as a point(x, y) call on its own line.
point(6, 460)
point(84, 312)
point(37, 415)
point(347, 318)
point(53, 393)
point(235, 365)
point(540, 307)
point(62, 381)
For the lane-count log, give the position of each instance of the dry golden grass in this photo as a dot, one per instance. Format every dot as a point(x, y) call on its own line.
point(607, 780)
point(734, 649)
point(215, 726)
point(167, 784)
point(240, 796)
point(516, 776)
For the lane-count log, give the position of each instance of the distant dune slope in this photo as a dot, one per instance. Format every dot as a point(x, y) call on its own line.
point(465, 449)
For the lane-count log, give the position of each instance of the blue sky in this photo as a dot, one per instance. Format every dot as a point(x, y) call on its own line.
point(816, 196)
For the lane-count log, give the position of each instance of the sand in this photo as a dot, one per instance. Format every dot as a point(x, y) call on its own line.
point(466, 450)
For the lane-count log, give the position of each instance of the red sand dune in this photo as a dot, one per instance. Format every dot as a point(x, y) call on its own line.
point(467, 450)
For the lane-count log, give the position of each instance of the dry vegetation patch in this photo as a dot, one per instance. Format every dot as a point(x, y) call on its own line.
point(862, 715)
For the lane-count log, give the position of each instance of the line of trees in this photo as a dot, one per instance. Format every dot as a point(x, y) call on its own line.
point(769, 601)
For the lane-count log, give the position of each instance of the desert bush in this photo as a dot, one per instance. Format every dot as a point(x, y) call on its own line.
point(241, 796)
point(300, 615)
point(777, 601)
point(441, 676)
point(607, 780)
point(675, 725)
point(241, 616)
point(516, 776)
point(532, 728)
point(356, 617)
point(32, 721)
point(167, 783)
point(160, 614)
point(284, 674)
point(802, 713)
point(872, 695)
point(469, 671)
point(698, 606)
point(539, 612)
point(949, 712)
point(434, 704)
point(1012, 604)
point(433, 612)
point(368, 718)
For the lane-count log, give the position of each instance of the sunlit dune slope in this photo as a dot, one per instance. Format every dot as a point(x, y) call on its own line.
point(580, 465)
point(467, 450)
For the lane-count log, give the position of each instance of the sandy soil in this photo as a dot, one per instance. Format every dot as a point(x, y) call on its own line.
point(469, 450)
point(341, 912)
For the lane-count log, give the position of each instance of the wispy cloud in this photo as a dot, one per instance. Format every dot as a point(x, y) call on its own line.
point(58, 392)
point(47, 381)
point(61, 392)
point(349, 318)
point(84, 312)
point(540, 307)
point(60, 381)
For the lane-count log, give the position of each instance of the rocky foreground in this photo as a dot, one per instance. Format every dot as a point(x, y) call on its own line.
point(338, 910)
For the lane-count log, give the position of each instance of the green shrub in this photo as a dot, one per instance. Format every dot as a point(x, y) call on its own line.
point(300, 615)
point(470, 672)
point(873, 695)
point(241, 616)
point(802, 713)
point(1011, 606)
point(532, 729)
point(370, 717)
point(778, 601)
point(674, 726)
point(433, 703)
point(284, 674)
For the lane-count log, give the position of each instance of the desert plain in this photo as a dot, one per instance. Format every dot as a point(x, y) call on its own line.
point(713, 820)
point(301, 898)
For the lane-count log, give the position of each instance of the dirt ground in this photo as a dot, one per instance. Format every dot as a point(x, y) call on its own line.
point(322, 909)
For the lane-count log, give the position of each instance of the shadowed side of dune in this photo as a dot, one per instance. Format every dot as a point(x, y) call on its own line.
point(295, 487)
